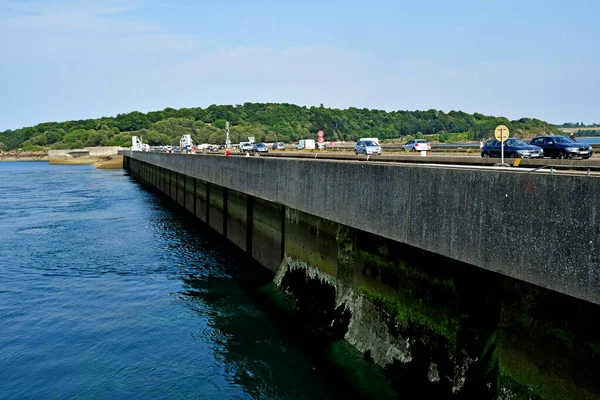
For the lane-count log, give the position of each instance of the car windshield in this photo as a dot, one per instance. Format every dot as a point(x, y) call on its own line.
point(562, 139)
point(369, 143)
point(515, 142)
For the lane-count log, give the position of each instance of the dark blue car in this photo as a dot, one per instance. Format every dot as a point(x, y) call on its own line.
point(562, 147)
point(513, 148)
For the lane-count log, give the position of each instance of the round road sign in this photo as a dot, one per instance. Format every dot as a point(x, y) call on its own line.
point(321, 140)
point(321, 134)
point(501, 133)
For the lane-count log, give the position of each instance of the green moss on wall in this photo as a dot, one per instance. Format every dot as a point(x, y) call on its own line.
point(411, 313)
point(413, 272)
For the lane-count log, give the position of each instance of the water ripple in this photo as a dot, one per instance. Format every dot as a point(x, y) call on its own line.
point(107, 291)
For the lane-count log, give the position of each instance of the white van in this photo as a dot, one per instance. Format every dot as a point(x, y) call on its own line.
point(308, 144)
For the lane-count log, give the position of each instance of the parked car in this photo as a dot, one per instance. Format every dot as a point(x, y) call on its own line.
point(367, 147)
point(562, 147)
point(417, 145)
point(278, 146)
point(246, 146)
point(513, 148)
point(260, 148)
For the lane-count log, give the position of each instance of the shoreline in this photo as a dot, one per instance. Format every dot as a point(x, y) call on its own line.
point(108, 162)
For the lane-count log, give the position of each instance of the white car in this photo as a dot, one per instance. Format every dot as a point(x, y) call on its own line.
point(246, 146)
point(417, 145)
point(366, 146)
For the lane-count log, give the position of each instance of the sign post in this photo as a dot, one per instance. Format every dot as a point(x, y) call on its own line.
point(501, 133)
point(321, 139)
point(227, 141)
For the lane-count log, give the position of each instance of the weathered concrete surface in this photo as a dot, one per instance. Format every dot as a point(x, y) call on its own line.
point(103, 151)
point(540, 228)
point(237, 215)
point(465, 330)
point(201, 203)
point(216, 214)
point(161, 180)
point(173, 184)
point(181, 189)
point(267, 234)
point(189, 194)
point(420, 316)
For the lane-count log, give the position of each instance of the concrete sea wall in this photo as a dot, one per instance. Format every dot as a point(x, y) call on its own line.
point(431, 323)
point(540, 228)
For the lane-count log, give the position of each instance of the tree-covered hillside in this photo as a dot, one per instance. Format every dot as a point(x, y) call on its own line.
point(267, 122)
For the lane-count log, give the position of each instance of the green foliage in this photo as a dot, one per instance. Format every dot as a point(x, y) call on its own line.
point(32, 148)
point(267, 122)
point(220, 123)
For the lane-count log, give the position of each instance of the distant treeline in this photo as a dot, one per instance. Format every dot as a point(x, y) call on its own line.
point(267, 122)
point(577, 125)
point(587, 132)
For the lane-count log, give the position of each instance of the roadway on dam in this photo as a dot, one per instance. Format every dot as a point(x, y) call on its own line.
point(543, 165)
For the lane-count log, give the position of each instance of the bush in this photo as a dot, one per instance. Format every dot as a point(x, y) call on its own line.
point(31, 148)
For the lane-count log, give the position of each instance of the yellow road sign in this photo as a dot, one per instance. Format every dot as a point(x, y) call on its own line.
point(501, 133)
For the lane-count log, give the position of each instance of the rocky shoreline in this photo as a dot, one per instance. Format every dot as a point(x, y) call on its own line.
point(112, 161)
point(15, 155)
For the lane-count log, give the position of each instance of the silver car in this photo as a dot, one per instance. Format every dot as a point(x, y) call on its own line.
point(367, 147)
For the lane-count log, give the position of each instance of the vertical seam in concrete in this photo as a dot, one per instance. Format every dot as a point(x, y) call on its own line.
point(207, 202)
point(176, 187)
point(184, 190)
point(249, 223)
point(195, 199)
point(225, 210)
point(410, 172)
point(283, 208)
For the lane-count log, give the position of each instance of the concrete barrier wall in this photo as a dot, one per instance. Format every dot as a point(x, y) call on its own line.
point(201, 200)
point(58, 153)
point(189, 194)
point(267, 246)
point(237, 216)
point(216, 211)
point(181, 189)
point(103, 151)
point(173, 185)
point(540, 228)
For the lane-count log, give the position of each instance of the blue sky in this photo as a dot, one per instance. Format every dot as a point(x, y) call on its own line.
point(69, 59)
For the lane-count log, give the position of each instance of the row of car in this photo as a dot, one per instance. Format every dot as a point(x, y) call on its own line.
point(253, 147)
point(539, 147)
point(369, 146)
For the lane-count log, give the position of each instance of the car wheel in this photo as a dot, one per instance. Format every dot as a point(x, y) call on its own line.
point(355, 152)
point(562, 155)
point(413, 149)
point(365, 152)
point(514, 155)
point(485, 155)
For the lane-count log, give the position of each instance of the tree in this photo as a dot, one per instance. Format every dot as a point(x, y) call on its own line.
point(268, 122)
